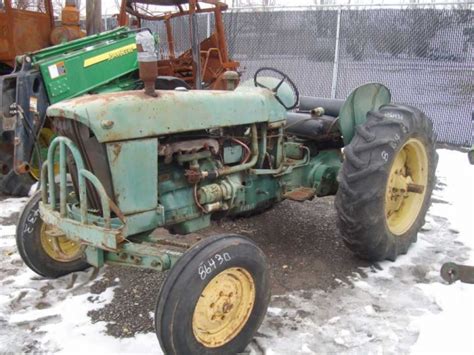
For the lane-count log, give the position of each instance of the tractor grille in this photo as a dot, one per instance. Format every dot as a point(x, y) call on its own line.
point(94, 156)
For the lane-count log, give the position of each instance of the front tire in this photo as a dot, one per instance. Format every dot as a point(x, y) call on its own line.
point(48, 256)
point(214, 298)
point(386, 182)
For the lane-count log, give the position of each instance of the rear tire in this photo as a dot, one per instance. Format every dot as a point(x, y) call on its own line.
point(19, 185)
point(12, 184)
point(35, 247)
point(214, 298)
point(391, 153)
point(16, 185)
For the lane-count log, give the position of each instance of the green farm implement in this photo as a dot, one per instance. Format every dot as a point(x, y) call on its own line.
point(125, 164)
point(106, 62)
point(47, 77)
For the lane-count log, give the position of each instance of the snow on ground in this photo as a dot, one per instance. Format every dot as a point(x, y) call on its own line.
point(38, 315)
point(399, 307)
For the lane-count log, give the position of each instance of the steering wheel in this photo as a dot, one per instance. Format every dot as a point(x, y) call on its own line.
point(275, 89)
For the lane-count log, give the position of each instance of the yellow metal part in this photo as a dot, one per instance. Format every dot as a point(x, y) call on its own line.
point(224, 307)
point(406, 186)
point(44, 139)
point(57, 246)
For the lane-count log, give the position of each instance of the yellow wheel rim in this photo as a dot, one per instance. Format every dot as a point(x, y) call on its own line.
point(406, 186)
point(224, 307)
point(44, 139)
point(59, 247)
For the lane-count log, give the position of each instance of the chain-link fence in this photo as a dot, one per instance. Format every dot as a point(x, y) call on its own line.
point(425, 55)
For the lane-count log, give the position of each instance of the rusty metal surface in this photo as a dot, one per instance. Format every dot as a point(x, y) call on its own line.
point(213, 57)
point(70, 28)
point(190, 146)
point(128, 6)
point(301, 194)
point(214, 61)
point(147, 62)
point(148, 73)
point(105, 238)
point(23, 31)
point(452, 272)
point(199, 110)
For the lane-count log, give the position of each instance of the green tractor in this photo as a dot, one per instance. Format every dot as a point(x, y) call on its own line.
point(131, 162)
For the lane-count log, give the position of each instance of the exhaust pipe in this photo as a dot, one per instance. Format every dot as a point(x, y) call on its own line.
point(147, 61)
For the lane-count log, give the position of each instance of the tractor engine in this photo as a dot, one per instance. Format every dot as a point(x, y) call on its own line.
point(183, 169)
point(207, 172)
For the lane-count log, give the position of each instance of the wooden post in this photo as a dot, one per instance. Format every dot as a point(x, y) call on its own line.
point(93, 16)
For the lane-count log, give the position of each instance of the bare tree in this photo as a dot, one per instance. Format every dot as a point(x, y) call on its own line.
point(246, 3)
point(58, 6)
point(30, 5)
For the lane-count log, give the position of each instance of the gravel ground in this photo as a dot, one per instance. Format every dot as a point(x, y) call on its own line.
point(302, 244)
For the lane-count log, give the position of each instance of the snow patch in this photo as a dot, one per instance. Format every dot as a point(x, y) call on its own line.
point(10, 206)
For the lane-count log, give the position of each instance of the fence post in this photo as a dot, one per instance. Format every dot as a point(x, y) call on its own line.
point(336, 55)
point(208, 25)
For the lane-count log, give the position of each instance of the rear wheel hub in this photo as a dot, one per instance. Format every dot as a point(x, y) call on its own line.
point(406, 186)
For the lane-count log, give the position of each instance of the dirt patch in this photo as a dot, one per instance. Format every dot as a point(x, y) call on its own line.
point(302, 243)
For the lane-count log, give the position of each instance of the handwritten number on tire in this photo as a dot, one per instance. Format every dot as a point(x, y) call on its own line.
point(206, 267)
point(30, 222)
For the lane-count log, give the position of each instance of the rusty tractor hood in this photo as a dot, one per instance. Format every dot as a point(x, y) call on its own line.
point(132, 114)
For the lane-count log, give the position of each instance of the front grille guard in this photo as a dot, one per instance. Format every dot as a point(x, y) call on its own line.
point(48, 176)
